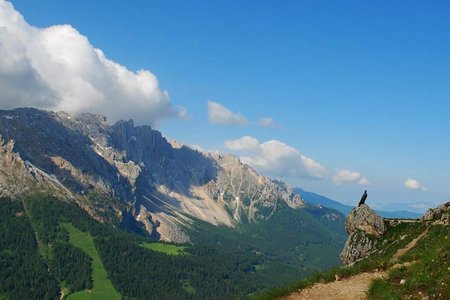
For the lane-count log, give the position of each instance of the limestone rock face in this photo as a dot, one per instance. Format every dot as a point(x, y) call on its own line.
point(246, 194)
point(364, 227)
point(358, 246)
point(17, 177)
point(132, 173)
point(364, 219)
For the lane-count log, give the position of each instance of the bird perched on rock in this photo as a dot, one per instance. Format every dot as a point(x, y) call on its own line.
point(363, 198)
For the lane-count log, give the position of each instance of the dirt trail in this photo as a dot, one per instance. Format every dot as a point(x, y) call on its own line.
point(411, 245)
point(351, 288)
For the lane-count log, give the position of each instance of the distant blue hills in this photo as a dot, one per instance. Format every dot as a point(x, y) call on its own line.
point(314, 198)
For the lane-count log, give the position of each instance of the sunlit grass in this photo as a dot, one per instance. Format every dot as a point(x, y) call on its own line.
point(429, 275)
point(103, 288)
point(164, 248)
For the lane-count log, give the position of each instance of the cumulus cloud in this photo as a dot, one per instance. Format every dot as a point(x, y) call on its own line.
point(220, 115)
point(275, 158)
point(267, 122)
point(414, 184)
point(57, 68)
point(343, 176)
point(245, 143)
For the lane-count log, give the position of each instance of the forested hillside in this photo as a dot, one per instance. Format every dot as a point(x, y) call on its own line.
point(23, 272)
point(40, 261)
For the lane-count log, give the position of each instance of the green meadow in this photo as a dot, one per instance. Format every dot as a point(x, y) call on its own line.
point(103, 288)
point(164, 248)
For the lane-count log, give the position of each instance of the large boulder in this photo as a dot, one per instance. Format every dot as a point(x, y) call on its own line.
point(364, 227)
point(363, 218)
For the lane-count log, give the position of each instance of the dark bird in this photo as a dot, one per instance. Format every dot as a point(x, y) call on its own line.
point(363, 198)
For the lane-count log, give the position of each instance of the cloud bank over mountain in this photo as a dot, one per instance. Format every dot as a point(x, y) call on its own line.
point(57, 68)
point(275, 158)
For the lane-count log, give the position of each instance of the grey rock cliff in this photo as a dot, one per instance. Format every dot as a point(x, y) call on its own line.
point(364, 227)
point(132, 173)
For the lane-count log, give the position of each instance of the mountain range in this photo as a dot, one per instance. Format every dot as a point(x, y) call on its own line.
point(159, 185)
point(127, 187)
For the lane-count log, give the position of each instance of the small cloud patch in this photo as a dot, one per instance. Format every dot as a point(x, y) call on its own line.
point(414, 184)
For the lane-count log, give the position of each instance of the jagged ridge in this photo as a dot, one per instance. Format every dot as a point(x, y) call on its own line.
point(160, 187)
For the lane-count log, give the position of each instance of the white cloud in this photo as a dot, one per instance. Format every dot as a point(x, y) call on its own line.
point(414, 184)
point(267, 122)
point(346, 176)
point(274, 158)
point(245, 143)
point(196, 147)
point(277, 159)
point(219, 114)
point(343, 176)
point(364, 181)
point(57, 68)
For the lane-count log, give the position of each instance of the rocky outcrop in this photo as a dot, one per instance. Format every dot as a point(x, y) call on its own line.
point(13, 172)
point(364, 219)
point(438, 215)
point(20, 178)
point(364, 227)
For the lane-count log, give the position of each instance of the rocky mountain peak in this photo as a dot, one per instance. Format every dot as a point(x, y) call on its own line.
point(161, 184)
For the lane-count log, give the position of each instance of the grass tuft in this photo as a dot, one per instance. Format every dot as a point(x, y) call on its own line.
point(382, 290)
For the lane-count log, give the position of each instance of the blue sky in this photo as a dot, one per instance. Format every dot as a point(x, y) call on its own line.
point(357, 86)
